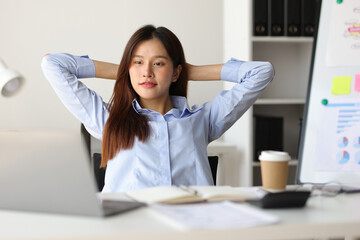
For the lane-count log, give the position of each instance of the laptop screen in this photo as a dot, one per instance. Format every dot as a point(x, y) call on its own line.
point(46, 171)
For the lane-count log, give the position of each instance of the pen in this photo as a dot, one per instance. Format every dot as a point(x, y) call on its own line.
point(189, 189)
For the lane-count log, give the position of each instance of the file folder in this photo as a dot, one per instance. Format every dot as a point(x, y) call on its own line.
point(260, 18)
point(293, 17)
point(277, 10)
point(308, 16)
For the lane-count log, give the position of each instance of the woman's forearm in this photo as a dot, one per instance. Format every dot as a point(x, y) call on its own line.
point(106, 70)
point(205, 73)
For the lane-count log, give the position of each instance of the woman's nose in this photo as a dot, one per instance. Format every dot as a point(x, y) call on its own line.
point(147, 71)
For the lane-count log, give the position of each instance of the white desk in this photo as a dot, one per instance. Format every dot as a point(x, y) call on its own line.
point(323, 217)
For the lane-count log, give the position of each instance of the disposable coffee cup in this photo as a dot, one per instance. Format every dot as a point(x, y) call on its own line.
point(274, 170)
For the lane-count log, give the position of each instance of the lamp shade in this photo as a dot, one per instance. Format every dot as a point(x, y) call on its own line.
point(10, 81)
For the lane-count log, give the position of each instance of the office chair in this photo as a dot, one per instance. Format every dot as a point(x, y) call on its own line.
point(99, 173)
point(213, 161)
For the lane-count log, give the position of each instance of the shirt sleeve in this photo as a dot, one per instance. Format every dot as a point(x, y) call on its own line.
point(251, 78)
point(63, 71)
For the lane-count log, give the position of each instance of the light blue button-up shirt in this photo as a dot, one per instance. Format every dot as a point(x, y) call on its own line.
point(176, 151)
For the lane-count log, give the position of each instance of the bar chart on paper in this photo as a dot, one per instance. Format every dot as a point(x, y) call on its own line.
point(339, 139)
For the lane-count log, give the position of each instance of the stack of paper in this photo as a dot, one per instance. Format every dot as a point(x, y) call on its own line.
point(215, 215)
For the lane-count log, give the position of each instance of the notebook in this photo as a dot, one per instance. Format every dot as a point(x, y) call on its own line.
point(187, 194)
point(49, 171)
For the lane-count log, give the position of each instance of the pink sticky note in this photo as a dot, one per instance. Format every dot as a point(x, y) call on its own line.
point(357, 82)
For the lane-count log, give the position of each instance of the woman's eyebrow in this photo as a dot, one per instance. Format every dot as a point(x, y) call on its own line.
point(158, 56)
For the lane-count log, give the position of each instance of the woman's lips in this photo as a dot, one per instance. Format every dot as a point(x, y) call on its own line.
point(148, 84)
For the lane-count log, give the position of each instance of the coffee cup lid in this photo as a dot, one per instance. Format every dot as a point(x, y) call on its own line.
point(275, 156)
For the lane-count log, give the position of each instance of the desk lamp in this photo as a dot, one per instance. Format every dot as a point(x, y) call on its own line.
point(10, 81)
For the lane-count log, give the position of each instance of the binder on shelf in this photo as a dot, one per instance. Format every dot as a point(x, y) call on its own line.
point(277, 10)
point(260, 18)
point(293, 17)
point(268, 134)
point(308, 16)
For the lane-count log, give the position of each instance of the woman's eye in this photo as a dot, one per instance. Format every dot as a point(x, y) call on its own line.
point(137, 62)
point(158, 64)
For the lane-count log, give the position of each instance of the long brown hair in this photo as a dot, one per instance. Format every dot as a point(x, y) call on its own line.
point(124, 124)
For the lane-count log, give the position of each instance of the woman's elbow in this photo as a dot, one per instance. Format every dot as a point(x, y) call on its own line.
point(47, 54)
point(45, 61)
point(269, 70)
point(49, 61)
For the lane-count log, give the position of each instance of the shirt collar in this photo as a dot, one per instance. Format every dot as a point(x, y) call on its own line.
point(180, 108)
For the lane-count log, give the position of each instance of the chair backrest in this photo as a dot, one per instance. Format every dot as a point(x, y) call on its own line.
point(213, 161)
point(100, 172)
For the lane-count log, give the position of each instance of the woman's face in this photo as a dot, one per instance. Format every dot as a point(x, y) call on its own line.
point(151, 71)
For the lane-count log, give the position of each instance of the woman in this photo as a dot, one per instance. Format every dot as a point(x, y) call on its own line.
point(150, 136)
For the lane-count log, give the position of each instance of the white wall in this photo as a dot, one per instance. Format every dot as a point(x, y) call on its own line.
point(29, 29)
point(211, 31)
point(236, 170)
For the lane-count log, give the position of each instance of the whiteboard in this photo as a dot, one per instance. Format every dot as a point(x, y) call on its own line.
point(330, 139)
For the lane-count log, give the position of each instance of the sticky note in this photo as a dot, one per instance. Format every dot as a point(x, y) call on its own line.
point(357, 82)
point(341, 85)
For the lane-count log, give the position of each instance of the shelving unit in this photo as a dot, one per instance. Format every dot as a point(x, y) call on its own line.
point(279, 101)
point(282, 39)
point(285, 96)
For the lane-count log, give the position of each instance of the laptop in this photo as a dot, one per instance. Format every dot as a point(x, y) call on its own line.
point(49, 171)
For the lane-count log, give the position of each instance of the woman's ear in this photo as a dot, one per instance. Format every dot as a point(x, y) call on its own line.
point(177, 72)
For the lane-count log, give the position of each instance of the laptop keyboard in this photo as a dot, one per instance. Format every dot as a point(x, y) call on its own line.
point(113, 207)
